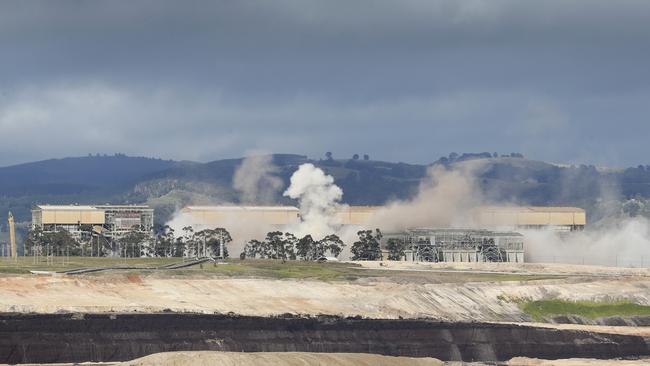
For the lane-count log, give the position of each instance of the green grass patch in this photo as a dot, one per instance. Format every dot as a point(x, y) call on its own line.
point(266, 268)
point(254, 268)
point(588, 309)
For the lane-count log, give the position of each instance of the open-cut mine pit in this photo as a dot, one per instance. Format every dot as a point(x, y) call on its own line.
point(78, 337)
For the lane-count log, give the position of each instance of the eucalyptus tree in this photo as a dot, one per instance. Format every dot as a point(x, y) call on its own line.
point(367, 247)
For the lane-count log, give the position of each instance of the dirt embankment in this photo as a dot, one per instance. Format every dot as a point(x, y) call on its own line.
point(117, 337)
point(479, 301)
point(515, 268)
point(277, 359)
point(523, 361)
point(345, 359)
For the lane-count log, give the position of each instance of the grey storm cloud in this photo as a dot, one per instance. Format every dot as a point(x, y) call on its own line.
point(401, 80)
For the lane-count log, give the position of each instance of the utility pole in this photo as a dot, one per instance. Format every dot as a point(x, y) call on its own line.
point(12, 236)
point(221, 245)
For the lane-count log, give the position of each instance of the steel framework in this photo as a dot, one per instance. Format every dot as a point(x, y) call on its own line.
point(461, 245)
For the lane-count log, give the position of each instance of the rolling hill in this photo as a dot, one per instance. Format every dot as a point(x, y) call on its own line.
point(168, 185)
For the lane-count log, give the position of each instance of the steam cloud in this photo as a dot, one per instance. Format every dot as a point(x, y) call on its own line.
point(444, 199)
point(255, 180)
point(624, 243)
point(318, 199)
point(447, 196)
point(257, 184)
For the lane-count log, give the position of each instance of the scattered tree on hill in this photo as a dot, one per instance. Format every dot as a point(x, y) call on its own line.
point(215, 240)
point(328, 155)
point(309, 249)
point(305, 248)
point(60, 243)
point(51, 243)
point(396, 249)
point(132, 243)
point(164, 243)
point(190, 241)
point(285, 246)
point(253, 249)
point(280, 246)
point(34, 241)
point(331, 243)
point(367, 247)
point(179, 247)
point(366, 157)
point(355, 157)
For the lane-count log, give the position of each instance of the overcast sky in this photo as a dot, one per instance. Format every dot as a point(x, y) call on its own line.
point(406, 80)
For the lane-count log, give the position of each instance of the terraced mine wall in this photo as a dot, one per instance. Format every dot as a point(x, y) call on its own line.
point(50, 338)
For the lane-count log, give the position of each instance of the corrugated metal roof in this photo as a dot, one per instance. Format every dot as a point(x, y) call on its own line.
point(242, 208)
point(66, 208)
point(532, 209)
point(87, 207)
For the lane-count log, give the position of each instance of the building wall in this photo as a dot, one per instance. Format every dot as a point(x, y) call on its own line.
point(222, 216)
point(61, 216)
point(559, 218)
point(356, 215)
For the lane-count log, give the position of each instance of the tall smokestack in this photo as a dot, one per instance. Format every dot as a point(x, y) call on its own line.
point(12, 236)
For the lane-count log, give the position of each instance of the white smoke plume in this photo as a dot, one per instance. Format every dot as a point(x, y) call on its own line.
point(256, 181)
point(622, 243)
point(318, 199)
point(240, 231)
point(444, 199)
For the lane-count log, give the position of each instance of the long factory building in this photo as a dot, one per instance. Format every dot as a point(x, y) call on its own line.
point(221, 216)
point(490, 217)
point(494, 233)
point(530, 217)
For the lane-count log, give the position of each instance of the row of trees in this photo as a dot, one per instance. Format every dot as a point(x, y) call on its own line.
point(203, 243)
point(209, 242)
point(285, 246)
point(134, 243)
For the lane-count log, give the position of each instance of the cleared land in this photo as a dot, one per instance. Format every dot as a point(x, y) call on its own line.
point(278, 358)
point(235, 268)
point(341, 359)
point(256, 287)
point(22, 265)
point(504, 292)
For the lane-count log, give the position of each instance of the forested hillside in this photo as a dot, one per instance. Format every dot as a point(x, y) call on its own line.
point(168, 185)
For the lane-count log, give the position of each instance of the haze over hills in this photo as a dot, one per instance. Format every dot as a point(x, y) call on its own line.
point(168, 185)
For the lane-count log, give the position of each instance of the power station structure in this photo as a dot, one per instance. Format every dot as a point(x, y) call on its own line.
point(530, 218)
point(85, 221)
point(225, 216)
point(493, 235)
point(460, 245)
point(272, 216)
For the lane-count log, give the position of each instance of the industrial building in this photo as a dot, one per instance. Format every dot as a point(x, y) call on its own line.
point(356, 215)
point(530, 217)
point(83, 221)
point(223, 216)
point(460, 245)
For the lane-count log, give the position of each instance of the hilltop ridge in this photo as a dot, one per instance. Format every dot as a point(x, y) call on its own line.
point(168, 184)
